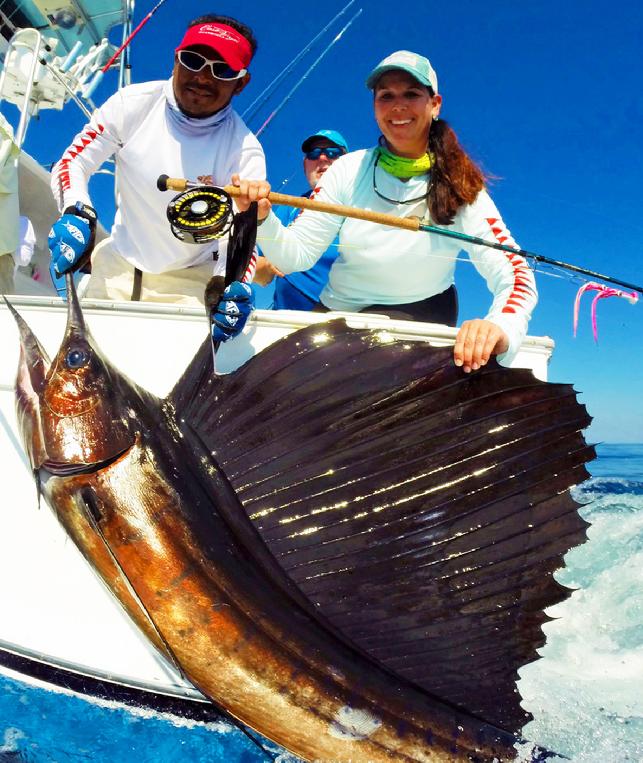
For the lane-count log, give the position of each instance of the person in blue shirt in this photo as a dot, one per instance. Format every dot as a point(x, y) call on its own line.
point(300, 291)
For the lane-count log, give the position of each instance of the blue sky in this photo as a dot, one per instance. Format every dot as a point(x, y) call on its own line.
point(546, 96)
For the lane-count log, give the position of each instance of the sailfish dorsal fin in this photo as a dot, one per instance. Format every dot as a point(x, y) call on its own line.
point(421, 510)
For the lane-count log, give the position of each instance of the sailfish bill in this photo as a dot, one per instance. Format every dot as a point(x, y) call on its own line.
point(347, 543)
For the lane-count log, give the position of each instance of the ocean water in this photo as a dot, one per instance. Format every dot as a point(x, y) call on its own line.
point(586, 693)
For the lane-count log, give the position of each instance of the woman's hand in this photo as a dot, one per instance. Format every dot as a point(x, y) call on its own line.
point(265, 272)
point(252, 190)
point(476, 342)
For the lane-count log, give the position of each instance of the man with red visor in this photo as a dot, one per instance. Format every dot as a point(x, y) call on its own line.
point(182, 127)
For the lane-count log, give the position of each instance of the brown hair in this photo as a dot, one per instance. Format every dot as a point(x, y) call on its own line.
point(455, 178)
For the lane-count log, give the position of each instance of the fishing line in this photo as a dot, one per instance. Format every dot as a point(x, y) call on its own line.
point(542, 269)
point(287, 180)
point(254, 107)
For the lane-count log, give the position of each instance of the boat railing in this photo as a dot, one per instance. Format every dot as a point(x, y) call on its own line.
point(34, 77)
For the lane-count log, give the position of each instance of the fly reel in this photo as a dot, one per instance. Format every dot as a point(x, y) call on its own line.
point(200, 214)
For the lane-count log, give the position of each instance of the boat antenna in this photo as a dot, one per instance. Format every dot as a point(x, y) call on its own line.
point(301, 80)
point(101, 73)
point(267, 92)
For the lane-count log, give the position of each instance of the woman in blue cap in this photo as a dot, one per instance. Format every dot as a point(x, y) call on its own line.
point(417, 169)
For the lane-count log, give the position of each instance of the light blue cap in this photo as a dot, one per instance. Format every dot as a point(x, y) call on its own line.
point(332, 135)
point(417, 66)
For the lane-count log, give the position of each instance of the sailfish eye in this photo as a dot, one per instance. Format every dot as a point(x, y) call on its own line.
point(76, 358)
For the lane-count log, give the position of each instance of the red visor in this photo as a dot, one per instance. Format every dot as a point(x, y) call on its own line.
point(232, 46)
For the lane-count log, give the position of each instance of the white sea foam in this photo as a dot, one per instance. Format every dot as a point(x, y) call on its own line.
point(12, 736)
point(586, 693)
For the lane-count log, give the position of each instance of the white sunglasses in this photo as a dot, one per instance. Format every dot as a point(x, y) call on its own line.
point(194, 62)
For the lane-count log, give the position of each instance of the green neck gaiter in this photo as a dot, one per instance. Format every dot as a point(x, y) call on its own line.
point(400, 166)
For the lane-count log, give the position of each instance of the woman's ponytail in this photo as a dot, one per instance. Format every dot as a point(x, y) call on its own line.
point(455, 178)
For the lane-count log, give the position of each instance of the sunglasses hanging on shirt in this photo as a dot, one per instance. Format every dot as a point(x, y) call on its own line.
point(398, 201)
point(195, 62)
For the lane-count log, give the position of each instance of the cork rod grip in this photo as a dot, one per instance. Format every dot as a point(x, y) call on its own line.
point(301, 202)
point(166, 183)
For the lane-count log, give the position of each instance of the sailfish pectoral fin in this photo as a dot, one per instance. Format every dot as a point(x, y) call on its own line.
point(90, 507)
point(422, 510)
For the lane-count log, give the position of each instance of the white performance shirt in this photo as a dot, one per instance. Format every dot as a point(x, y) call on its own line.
point(9, 205)
point(144, 130)
point(378, 264)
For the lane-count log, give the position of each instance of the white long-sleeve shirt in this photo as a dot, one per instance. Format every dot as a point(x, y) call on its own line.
point(9, 206)
point(378, 264)
point(144, 130)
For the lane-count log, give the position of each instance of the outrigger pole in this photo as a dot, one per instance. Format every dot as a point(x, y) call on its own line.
point(100, 74)
point(268, 91)
point(300, 81)
point(166, 183)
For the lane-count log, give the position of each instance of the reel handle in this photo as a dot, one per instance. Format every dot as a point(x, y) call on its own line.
point(166, 183)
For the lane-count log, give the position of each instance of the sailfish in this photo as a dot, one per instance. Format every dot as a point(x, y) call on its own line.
point(348, 543)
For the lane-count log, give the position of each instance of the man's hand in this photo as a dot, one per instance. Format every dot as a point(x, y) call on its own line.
point(252, 190)
point(71, 239)
point(231, 314)
point(265, 272)
point(476, 342)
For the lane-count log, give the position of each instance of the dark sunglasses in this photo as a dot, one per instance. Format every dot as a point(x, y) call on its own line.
point(219, 69)
point(332, 152)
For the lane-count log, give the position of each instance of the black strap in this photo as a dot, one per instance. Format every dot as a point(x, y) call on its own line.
point(138, 283)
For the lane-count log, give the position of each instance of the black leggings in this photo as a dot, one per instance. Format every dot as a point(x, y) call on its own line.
point(440, 308)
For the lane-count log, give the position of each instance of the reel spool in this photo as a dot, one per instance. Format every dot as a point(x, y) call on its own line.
point(200, 214)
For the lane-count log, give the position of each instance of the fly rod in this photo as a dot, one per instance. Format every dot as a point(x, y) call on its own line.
point(165, 183)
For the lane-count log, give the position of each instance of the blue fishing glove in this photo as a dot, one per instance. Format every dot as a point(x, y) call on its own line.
point(231, 314)
point(71, 238)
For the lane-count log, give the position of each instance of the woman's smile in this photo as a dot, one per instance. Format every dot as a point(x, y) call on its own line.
point(404, 110)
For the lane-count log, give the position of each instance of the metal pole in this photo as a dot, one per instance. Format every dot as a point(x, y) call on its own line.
point(123, 73)
point(73, 95)
point(132, 36)
point(100, 74)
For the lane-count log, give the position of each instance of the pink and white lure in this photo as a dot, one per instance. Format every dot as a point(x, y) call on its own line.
point(603, 292)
